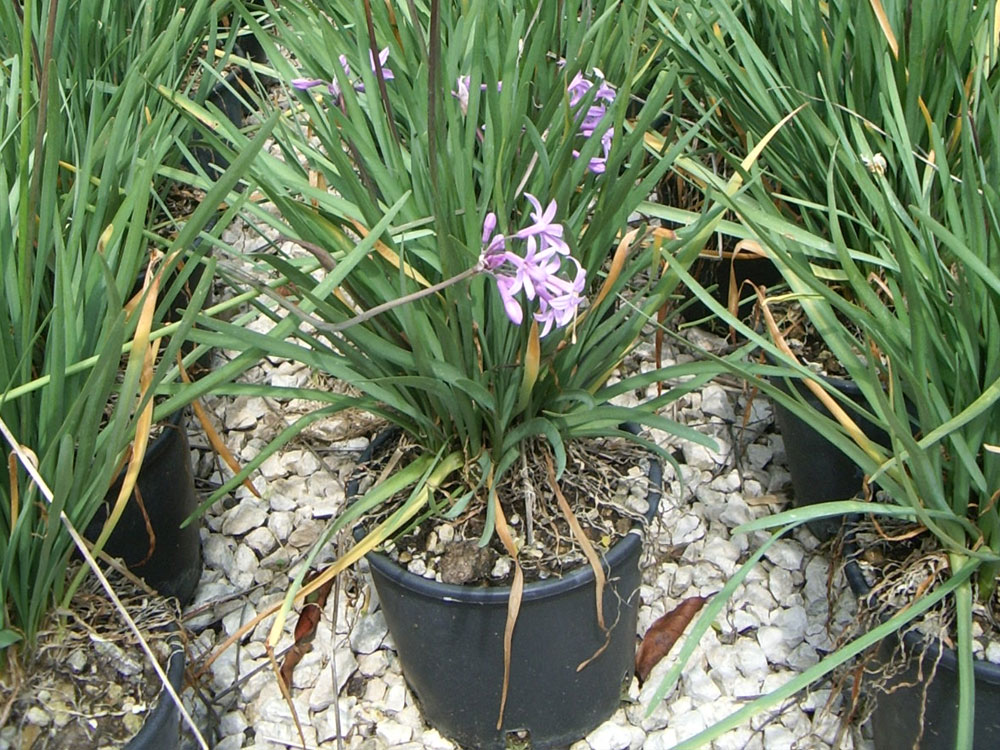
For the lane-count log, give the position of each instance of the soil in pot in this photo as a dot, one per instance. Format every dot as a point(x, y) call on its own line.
point(149, 537)
point(88, 684)
point(450, 636)
point(912, 678)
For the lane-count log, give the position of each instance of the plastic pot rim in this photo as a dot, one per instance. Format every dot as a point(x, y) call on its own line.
point(985, 671)
point(500, 595)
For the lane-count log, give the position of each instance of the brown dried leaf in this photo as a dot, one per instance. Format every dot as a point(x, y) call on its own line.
point(305, 631)
point(662, 635)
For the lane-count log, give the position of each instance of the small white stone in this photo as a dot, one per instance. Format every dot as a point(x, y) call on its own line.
point(242, 518)
point(281, 524)
point(777, 737)
point(373, 665)
point(609, 736)
point(781, 584)
point(232, 723)
point(687, 724)
point(661, 740)
point(501, 568)
point(745, 687)
point(305, 465)
point(759, 455)
point(218, 551)
point(743, 621)
point(723, 553)
point(816, 575)
point(284, 494)
point(369, 632)
point(77, 660)
point(261, 540)
point(736, 739)
point(722, 660)
point(688, 529)
point(305, 533)
point(289, 375)
point(793, 622)
point(785, 554)
point(700, 686)
point(232, 621)
point(445, 533)
point(701, 457)
point(395, 699)
point(418, 566)
point(375, 691)
point(323, 693)
point(727, 483)
point(411, 717)
point(246, 414)
point(715, 401)
point(392, 733)
point(274, 466)
point(751, 659)
point(245, 564)
point(802, 657)
point(432, 740)
point(326, 725)
point(993, 652)
point(772, 640)
point(736, 512)
point(307, 671)
point(232, 742)
point(284, 733)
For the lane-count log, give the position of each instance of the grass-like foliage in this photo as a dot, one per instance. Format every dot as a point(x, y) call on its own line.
point(85, 137)
point(405, 167)
point(896, 269)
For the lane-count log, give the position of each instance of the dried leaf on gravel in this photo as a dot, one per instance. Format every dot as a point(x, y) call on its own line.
point(663, 634)
point(305, 631)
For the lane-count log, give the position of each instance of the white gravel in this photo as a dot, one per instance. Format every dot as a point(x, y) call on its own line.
point(777, 624)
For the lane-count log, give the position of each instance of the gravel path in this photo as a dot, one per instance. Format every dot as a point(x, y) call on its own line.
point(349, 685)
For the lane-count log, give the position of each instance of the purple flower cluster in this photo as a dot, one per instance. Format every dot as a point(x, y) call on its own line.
point(537, 271)
point(578, 88)
point(334, 88)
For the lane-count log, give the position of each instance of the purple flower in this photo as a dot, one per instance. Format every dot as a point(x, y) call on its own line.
point(537, 273)
point(505, 285)
point(494, 244)
point(306, 83)
point(559, 307)
point(550, 235)
point(334, 87)
point(383, 56)
point(578, 89)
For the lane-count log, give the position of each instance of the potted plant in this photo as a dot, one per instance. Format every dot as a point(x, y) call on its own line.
point(471, 274)
point(913, 322)
point(88, 146)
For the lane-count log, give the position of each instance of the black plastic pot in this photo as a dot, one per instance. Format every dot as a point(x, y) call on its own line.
point(166, 485)
point(161, 730)
point(450, 644)
point(926, 687)
point(719, 272)
point(820, 471)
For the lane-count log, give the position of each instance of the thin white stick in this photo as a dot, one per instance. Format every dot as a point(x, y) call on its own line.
point(29, 466)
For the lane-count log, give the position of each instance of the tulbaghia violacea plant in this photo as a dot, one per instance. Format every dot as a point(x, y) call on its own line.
point(472, 274)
